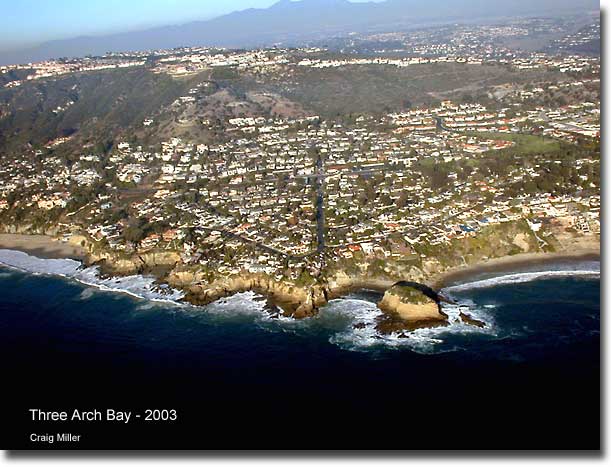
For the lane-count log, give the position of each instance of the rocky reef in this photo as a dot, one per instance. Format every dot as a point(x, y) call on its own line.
point(467, 319)
point(406, 305)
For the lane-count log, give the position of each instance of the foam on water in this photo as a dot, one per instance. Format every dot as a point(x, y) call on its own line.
point(253, 307)
point(430, 340)
point(136, 286)
point(244, 303)
point(436, 340)
point(24, 262)
point(521, 277)
point(87, 294)
point(247, 303)
point(338, 318)
point(147, 306)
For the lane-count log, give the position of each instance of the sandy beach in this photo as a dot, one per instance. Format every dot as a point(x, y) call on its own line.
point(47, 247)
point(41, 246)
point(512, 263)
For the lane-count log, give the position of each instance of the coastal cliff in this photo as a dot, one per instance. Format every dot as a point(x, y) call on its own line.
point(407, 306)
point(295, 301)
point(156, 263)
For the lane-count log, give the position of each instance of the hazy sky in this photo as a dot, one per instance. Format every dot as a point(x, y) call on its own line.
point(27, 22)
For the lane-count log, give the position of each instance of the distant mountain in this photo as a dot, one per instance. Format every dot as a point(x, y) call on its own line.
point(290, 22)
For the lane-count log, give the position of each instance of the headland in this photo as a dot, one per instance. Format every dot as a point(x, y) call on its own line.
point(406, 305)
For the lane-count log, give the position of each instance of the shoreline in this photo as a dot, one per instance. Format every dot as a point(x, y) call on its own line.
point(47, 247)
point(42, 246)
point(510, 264)
point(282, 300)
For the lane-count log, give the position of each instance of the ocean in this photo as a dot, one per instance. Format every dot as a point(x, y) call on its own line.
point(240, 379)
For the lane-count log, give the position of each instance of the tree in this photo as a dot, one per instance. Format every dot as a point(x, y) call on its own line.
point(133, 234)
point(402, 200)
point(530, 187)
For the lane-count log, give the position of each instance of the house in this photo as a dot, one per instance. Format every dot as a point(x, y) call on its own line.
point(169, 235)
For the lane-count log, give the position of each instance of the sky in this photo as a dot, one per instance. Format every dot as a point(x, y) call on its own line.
point(25, 23)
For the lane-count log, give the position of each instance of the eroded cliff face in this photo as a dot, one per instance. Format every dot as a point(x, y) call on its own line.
point(156, 263)
point(296, 301)
point(202, 287)
point(28, 229)
point(406, 308)
point(341, 283)
point(409, 311)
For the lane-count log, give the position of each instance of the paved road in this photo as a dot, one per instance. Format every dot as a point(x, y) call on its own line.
point(321, 221)
point(441, 126)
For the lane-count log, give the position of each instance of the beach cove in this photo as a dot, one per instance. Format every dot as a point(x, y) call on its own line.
point(43, 246)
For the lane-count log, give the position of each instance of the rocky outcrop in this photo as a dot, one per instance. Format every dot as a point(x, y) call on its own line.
point(157, 263)
point(467, 319)
point(405, 305)
point(408, 306)
point(341, 283)
point(296, 301)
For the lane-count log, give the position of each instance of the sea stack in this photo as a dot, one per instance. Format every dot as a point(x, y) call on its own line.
point(409, 306)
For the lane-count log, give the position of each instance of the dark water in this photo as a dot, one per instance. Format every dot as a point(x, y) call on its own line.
point(530, 380)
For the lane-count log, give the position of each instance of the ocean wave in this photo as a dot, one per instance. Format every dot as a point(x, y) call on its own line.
point(521, 277)
point(24, 262)
point(137, 286)
point(361, 332)
point(87, 294)
point(147, 306)
point(242, 303)
point(349, 322)
point(256, 309)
